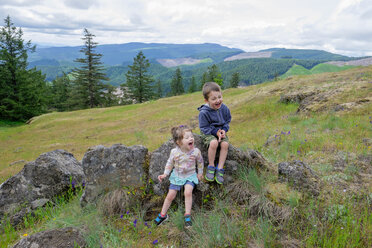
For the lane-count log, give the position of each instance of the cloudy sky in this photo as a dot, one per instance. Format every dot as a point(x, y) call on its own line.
point(339, 26)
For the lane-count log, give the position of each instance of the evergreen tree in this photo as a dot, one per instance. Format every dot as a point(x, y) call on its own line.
point(215, 75)
point(22, 91)
point(203, 80)
point(138, 81)
point(60, 92)
point(193, 86)
point(89, 88)
point(111, 99)
point(213, 72)
point(176, 84)
point(235, 79)
point(159, 89)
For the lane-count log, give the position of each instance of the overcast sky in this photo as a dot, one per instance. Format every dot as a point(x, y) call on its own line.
point(339, 26)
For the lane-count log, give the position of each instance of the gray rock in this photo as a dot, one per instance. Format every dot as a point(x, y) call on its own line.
point(38, 182)
point(300, 175)
point(110, 168)
point(66, 237)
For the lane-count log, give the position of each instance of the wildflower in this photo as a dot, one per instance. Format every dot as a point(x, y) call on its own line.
point(119, 230)
point(83, 183)
point(298, 152)
point(155, 242)
point(73, 184)
point(121, 216)
point(356, 125)
point(289, 132)
point(128, 212)
point(149, 233)
point(276, 135)
point(146, 224)
point(282, 132)
point(25, 235)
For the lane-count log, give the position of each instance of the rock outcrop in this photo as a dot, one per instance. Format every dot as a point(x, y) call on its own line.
point(51, 174)
point(110, 168)
point(300, 175)
point(66, 237)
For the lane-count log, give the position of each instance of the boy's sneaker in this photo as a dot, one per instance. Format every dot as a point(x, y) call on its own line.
point(159, 220)
point(188, 222)
point(209, 176)
point(219, 176)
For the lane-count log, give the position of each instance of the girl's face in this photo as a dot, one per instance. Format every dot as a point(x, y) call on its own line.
point(187, 143)
point(215, 99)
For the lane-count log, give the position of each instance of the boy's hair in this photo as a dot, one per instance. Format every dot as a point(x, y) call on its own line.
point(208, 87)
point(178, 132)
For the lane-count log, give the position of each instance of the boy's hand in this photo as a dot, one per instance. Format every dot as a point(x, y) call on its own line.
point(200, 177)
point(221, 134)
point(161, 177)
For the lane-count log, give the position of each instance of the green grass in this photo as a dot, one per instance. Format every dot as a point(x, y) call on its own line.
point(297, 70)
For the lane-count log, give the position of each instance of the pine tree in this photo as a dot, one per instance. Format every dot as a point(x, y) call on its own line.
point(159, 89)
point(193, 86)
point(215, 75)
point(235, 79)
point(138, 81)
point(203, 80)
point(22, 91)
point(89, 88)
point(60, 92)
point(176, 84)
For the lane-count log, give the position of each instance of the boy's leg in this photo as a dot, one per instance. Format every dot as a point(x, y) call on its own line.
point(188, 198)
point(209, 175)
point(213, 145)
point(223, 154)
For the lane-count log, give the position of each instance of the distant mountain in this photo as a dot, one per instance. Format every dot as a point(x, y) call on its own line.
point(193, 59)
point(117, 54)
point(283, 53)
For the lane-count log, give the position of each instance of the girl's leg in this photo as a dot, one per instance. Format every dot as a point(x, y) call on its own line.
point(168, 201)
point(223, 154)
point(188, 198)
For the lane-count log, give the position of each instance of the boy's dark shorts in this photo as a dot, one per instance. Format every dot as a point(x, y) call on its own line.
point(207, 138)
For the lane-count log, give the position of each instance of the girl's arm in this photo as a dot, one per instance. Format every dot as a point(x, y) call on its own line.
point(200, 163)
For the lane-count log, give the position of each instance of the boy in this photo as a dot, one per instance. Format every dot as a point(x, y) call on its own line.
point(214, 119)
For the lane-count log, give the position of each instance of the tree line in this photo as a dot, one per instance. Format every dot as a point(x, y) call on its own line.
point(25, 93)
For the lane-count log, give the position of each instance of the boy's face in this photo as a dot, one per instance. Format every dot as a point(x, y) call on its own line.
point(215, 99)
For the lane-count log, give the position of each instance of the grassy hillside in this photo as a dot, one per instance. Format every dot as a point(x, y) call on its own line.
point(319, 68)
point(340, 217)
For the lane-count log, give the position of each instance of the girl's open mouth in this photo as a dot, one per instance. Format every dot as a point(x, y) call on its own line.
point(191, 144)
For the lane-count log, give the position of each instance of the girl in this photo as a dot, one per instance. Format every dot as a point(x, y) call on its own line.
point(182, 160)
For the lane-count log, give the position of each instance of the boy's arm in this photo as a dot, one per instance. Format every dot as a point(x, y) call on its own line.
point(205, 126)
point(226, 126)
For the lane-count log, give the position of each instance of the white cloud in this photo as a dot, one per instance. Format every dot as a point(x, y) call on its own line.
point(337, 26)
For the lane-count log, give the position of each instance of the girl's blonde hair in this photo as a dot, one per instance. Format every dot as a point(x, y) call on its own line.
point(179, 131)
